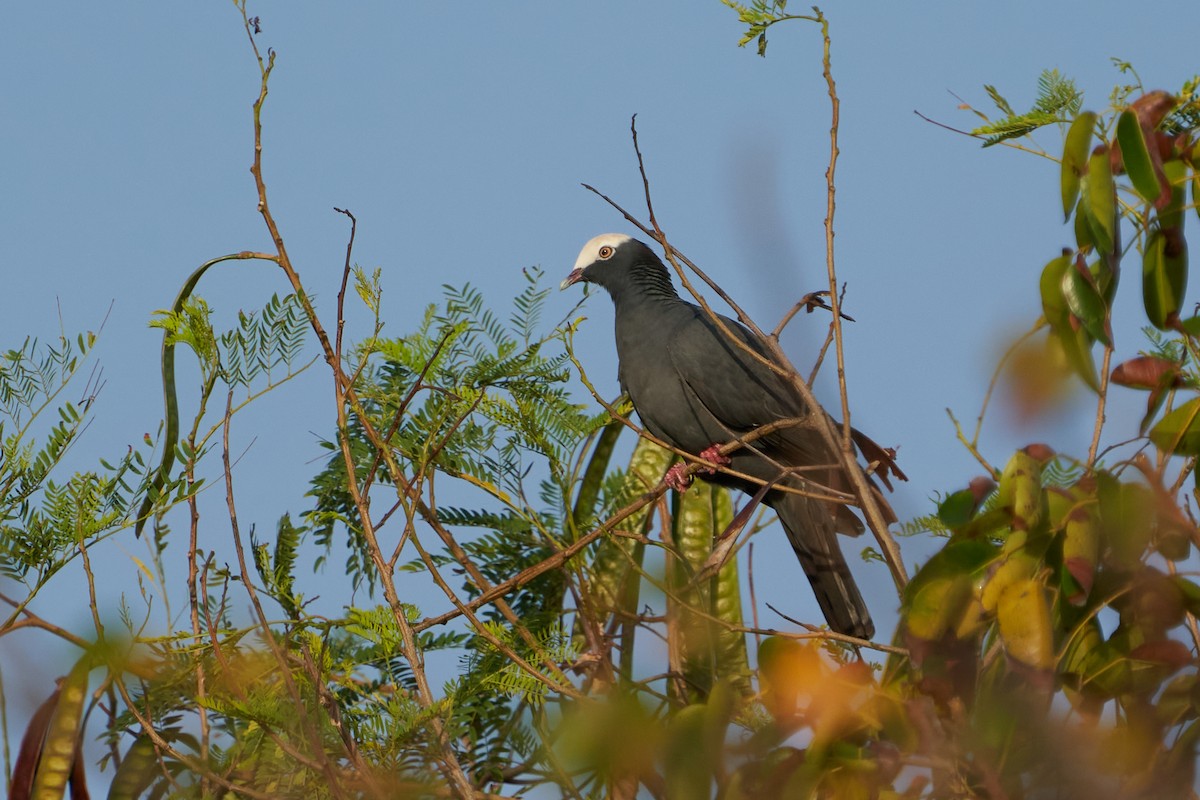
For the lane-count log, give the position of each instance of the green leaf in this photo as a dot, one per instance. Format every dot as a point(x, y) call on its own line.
point(1024, 617)
point(1086, 303)
point(1074, 160)
point(1013, 127)
point(688, 767)
point(1083, 651)
point(1164, 277)
point(1101, 200)
point(1105, 278)
point(1058, 100)
point(1191, 326)
point(1171, 213)
point(1073, 301)
point(1190, 592)
point(1076, 346)
point(1081, 551)
point(958, 508)
point(1126, 517)
point(1083, 226)
point(940, 595)
point(1056, 94)
point(1179, 431)
point(1138, 164)
point(1020, 491)
point(1054, 304)
point(999, 100)
point(1196, 192)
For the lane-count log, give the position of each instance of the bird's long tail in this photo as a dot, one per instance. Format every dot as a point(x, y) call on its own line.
point(809, 525)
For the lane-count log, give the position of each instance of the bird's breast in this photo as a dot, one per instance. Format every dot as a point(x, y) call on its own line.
point(665, 403)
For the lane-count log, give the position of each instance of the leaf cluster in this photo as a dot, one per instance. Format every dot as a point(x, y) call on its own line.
point(1057, 101)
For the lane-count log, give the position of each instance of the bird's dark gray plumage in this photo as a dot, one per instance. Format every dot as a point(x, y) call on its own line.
point(694, 387)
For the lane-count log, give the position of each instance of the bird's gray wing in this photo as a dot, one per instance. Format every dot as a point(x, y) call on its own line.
point(742, 394)
point(739, 391)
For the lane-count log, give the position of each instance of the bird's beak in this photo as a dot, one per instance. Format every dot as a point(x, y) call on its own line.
point(575, 277)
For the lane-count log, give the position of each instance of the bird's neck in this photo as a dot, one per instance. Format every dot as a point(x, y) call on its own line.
point(650, 284)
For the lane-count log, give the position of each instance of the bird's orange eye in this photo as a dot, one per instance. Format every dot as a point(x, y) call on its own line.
point(606, 252)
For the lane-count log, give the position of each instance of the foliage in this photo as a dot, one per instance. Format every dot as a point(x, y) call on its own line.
point(1057, 101)
point(43, 520)
point(1048, 647)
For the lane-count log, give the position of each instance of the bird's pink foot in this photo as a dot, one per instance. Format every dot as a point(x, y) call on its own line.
point(713, 455)
point(677, 476)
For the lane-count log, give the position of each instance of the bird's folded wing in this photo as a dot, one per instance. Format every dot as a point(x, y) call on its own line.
point(741, 392)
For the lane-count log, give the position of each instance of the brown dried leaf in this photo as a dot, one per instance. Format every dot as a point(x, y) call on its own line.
point(1168, 652)
point(980, 487)
point(1147, 372)
point(1152, 108)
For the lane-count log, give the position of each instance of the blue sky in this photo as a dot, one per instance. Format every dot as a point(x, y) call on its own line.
point(459, 136)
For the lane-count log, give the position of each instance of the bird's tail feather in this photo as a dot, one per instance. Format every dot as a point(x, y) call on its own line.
point(809, 525)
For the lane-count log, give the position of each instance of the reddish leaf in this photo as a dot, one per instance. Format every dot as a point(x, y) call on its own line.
point(31, 748)
point(1039, 451)
point(1083, 572)
point(1167, 652)
point(78, 782)
point(855, 672)
point(882, 459)
point(62, 736)
point(1152, 108)
point(980, 487)
point(1147, 372)
point(1155, 603)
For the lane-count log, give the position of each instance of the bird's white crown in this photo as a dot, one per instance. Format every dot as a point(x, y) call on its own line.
point(591, 251)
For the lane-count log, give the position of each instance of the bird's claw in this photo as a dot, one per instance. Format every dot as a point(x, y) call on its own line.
point(679, 479)
point(713, 455)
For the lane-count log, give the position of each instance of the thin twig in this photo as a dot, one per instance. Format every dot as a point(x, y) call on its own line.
point(1100, 405)
point(753, 595)
point(813, 632)
point(341, 298)
point(319, 760)
point(32, 620)
point(830, 209)
point(346, 396)
point(998, 372)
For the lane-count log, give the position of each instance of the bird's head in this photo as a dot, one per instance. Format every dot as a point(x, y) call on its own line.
point(614, 260)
